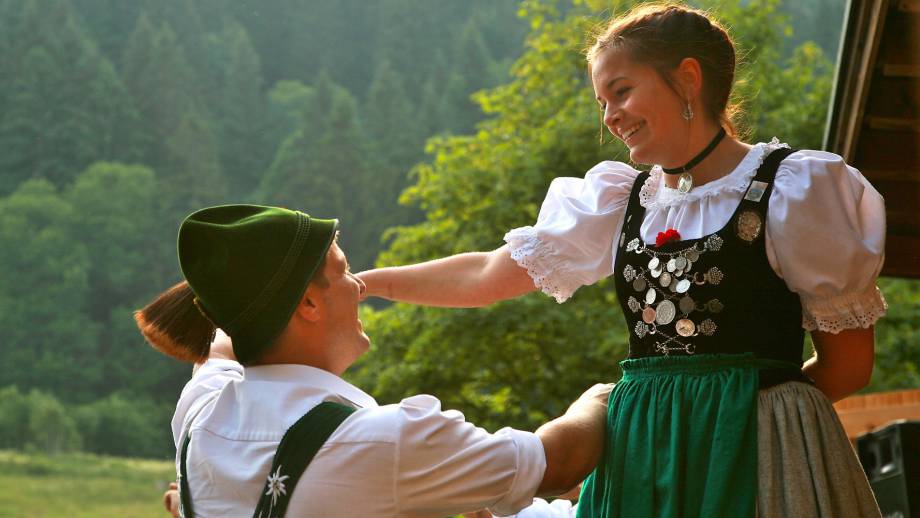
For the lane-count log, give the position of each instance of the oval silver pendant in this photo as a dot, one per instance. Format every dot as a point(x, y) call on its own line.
point(672, 265)
point(665, 280)
point(685, 327)
point(639, 284)
point(648, 315)
point(692, 255)
point(665, 312)
point(686, 304)
point(650, 296)
point(678, 272)
point(681, 262)
point(653, 264)
point(656, 273)
point(683, 286)
point(684, 183)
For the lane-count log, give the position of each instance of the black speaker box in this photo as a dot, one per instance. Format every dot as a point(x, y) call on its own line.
point(891, 458)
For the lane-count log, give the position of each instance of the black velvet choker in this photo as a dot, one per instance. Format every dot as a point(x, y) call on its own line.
point(698, 158)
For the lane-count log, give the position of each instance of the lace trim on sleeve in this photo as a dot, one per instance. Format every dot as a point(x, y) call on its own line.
point(542, 263)
point(848, 311)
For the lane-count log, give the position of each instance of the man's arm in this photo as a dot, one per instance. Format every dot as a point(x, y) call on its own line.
point(574, 442)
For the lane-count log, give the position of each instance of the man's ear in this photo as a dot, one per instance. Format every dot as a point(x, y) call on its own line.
point(308, 309)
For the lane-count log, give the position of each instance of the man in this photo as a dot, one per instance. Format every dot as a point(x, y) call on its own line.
point(278, 284)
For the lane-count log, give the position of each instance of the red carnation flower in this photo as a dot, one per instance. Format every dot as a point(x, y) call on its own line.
point(667, 236)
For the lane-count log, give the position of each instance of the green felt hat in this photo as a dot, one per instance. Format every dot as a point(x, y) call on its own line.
point(249, 266)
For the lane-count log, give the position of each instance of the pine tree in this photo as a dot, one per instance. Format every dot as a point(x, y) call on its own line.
point(65, 106)
point(245, 147)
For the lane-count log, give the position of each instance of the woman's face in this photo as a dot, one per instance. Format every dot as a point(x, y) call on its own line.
point(640, 109)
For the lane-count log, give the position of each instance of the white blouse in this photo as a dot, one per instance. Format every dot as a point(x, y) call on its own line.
point(825, 231)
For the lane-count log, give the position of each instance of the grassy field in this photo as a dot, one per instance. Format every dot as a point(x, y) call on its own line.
point(82, 486)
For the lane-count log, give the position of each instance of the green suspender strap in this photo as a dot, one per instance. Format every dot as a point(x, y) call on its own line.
point(299, 445)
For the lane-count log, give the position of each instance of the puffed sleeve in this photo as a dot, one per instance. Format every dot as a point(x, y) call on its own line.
point(826, 239)
point(572, 242)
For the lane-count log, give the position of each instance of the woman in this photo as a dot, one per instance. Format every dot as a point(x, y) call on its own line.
point(723, 255)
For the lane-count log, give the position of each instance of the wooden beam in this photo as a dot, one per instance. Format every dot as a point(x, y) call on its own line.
point(865, 413)
point(893, 123)
point(902, 256)
point(901, 70)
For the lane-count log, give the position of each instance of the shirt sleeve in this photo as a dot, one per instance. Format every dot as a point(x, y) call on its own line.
point(446, 465)
point(205, 384)
point(559, 508)
point(572, 243)
point(826, 239)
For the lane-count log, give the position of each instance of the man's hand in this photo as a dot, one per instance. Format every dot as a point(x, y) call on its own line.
point(171, 499)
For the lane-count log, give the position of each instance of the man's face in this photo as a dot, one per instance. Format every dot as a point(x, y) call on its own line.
point(347, 340)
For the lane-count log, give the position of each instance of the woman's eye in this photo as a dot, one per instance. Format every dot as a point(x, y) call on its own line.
point(602, 107)
point(622, 91)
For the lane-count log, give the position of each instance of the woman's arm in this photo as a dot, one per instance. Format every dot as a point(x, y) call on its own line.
point(465, 280)
point(843, 362)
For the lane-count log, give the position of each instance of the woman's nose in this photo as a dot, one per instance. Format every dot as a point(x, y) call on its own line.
point(611, 116)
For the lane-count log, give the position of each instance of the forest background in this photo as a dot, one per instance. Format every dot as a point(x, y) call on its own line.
point(428, 127)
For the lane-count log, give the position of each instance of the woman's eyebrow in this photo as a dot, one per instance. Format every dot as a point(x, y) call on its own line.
point(609, 85)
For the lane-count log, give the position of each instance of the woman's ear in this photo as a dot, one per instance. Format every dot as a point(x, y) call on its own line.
point(308, 309)
point(689, 76)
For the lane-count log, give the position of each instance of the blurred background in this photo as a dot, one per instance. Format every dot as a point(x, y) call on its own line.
point(428, 127)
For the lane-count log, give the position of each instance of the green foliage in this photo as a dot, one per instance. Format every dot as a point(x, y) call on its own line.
point(36, 421)
point(522, 361)
point(897, 352)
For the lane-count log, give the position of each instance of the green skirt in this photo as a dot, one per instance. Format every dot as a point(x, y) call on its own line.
point(681, 440)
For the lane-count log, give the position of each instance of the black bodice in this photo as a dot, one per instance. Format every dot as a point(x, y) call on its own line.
point(716, 294)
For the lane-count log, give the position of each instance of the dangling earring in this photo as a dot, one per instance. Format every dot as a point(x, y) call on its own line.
point(688, 112)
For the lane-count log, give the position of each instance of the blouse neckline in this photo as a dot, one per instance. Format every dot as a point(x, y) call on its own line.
point(654, 194)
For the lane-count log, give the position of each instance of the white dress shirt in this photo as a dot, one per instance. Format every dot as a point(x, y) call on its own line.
point(825, 230)
point(406, 460)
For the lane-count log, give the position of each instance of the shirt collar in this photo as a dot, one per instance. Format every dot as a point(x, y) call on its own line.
point(318, 379)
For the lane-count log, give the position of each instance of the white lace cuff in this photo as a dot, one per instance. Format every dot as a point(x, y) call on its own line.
point(848, 311)
point(542, 263)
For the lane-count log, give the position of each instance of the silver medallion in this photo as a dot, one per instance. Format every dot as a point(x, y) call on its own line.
point(641, 329)
point(692, 255)
point(665, 312)
point(648, 315)
point(714, 275)
point(682, 286)
point(681, 262)
point(749, 225)
point(665, 279)
point(708, 327)
point(653, 264)
point(714, 243)
point(672, 265)
point(684, 183)
point(650, 296)
point(639, 284)
point(685, 327)
point(678, 272)
point(633, 304)
point(715, 306)
point(629, 273)
point(656, 273)
point(633, 245)
point(686, 304)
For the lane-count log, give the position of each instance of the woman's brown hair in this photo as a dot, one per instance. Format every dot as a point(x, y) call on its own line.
point(662, 35)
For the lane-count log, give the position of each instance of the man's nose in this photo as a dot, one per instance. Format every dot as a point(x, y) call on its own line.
point(362, 288)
